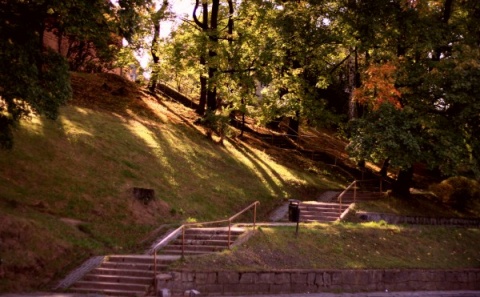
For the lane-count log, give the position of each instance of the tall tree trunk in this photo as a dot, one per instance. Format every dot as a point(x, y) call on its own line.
point(384, 170)
point(156, 18)
point(152, 85)
point(203, 61)
point(294, 125)
point(212, 53)
point(352, 84)
point(404, 180)
point(203, 91)
point(230, 22)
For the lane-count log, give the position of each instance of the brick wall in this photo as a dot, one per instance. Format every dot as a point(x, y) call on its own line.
point(52, 41)
point(314, 281)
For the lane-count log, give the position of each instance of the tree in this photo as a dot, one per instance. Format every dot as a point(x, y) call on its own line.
point(35, 79)
point(209, 26)
point(430, 76)
point(156, 18)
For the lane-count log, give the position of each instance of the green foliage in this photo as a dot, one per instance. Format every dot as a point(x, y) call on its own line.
point(432, 78)
point(387, 132)
point(217, 122)
point(89, 30)
point(457, 191)
point(33, 79)
point(273, 63)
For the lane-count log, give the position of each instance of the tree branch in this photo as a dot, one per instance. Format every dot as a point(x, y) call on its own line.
point(195, 18)
point(339, 64)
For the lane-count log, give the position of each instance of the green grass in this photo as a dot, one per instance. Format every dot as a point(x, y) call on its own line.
point(423, 205)
point(83, 167)
point(349, 246)
point(66, 194)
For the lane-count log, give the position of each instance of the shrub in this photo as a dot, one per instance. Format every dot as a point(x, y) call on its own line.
point(457, 191)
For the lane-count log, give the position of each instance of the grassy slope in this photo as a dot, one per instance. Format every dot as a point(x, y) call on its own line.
point(66, 194)
point(350, 246)
point(65, 189)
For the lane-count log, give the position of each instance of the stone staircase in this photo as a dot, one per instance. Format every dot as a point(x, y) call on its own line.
point(312, 211)
point(324, 212)
point(202, 241)
point(122, 275)
point(133, 275)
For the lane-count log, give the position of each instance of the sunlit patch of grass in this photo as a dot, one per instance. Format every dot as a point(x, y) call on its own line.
point(416, 205)
point(337, 246)
point(83, 165)
point(35, 124)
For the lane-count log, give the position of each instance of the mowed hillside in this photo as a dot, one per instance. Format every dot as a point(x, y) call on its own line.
point(66, 189)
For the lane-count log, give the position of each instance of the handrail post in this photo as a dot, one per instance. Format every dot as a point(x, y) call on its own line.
point(254, 215)
point(183, 242)
point(340, 205)
point(155, 270)
point(229, 230)
point(354, 191)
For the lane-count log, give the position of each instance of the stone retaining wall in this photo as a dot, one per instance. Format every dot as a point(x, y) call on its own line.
point(417, 220)
point(312, 281)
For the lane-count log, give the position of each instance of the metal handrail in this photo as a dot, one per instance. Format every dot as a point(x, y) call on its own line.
point(354, 185)
point(186, 225)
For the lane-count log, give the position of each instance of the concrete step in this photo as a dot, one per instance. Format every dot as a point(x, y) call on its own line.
point(199, 248)
point(189, 252)
point(126, 293)
point(319, 204)
point(213, 232)
point(140, 259)
point(314, 211)
point(130, 266)
point(199, 236)
point(212, 242)
point(105, 278)
point(94, 285)
point(203, 240)
point(319, 215)
point(123, 272)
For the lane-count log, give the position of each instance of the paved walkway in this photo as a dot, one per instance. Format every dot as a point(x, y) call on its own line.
point(384, 294)
point(372, 294)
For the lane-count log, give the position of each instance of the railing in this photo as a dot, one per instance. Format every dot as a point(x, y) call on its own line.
point(377, 184)
point(356, 186)
point(340, 197)
point(183, 227)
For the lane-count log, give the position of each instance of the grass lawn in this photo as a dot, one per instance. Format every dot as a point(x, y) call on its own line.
point(349, 246)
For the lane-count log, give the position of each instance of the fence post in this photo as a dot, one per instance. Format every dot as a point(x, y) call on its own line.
point(183, 242)
point(340, 207)
point(354, 191)
point(229, 228)
point(155, 269)
point(254, 215)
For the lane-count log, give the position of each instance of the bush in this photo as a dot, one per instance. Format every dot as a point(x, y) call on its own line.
point(457, 191)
